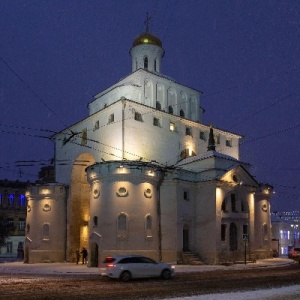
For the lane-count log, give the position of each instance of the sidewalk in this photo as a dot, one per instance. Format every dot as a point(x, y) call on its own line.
point(72, 268)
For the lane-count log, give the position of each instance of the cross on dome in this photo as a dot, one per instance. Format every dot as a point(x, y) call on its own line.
point(147, 21)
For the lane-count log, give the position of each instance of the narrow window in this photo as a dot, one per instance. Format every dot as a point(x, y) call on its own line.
point(22, 201)
point(148, 226)
point(223, 232)
point(138, 116)
point(96, 125)
point(265, 233)
point(186, 195)
point(233, 203)
point(245, 229)
point(95, 221)
point(156, 122)
point(155, 65)
point(188, 131)
point(111, 118)
point(170, 108)
point(9, 248)
point(122, 222)
point(228, 143)
point(233, 237)
point(217, 139)
point(22, 224)
point(84, 137)
point(148, 223)
point(46, 231)
point(146, 62)
point(202, 136)
point(158, 105)
point(181, 113)
point(172, 126)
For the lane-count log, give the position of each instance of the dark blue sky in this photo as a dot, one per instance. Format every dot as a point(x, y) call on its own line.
point(244, 56)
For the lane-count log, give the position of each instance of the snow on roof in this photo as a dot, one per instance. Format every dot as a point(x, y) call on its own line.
point(206, 155)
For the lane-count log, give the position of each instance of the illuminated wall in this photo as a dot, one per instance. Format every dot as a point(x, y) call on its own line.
point(46, 224)
point(124, 208)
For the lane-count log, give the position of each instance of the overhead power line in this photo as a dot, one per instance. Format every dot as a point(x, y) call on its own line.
point(32, 90)
point(252, 81)
point(270, 134)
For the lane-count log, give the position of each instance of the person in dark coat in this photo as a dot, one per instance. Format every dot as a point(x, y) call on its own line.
point(84, 254)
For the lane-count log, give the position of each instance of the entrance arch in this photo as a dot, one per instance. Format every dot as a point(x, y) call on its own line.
point(94, 255)
point(79, 206)
point(233, 237)
point(185, 238)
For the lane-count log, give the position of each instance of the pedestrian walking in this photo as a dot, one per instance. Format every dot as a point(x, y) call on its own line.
point(84, 255)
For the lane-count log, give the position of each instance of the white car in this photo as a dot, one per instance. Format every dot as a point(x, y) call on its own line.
point(126, 267)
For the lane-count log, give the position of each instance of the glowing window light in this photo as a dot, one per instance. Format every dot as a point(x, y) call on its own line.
point(150, 173)
point(172, 126)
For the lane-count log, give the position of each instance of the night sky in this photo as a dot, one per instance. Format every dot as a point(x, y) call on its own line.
point(243, 55)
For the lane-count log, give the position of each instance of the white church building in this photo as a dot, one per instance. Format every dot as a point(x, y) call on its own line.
point(142, 174)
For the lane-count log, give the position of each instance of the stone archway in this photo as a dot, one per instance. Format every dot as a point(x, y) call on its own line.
point(233, 237)
point(94, 255)
point(79, 206)
point(185, 238)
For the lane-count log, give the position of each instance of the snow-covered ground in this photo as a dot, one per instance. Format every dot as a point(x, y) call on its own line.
point(284, 293)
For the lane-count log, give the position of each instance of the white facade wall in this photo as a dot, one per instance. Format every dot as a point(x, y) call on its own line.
point(263, 230)
point(46, 224)
point(138, 139)
point(153, 53)
point(130, 191)
point(147, 88)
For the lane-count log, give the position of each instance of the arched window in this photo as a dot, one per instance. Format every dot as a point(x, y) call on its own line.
point(145, 62)
point(46, 231)
point(181, 113)
point(122, 222)
point(233, 203)
point(187, 153)
point(265, 232)
point(122, 226)
point(95, 220)
point(155, 65)
point(158, 105)
point(233, 237)
point(148, 223)
point(170, 109)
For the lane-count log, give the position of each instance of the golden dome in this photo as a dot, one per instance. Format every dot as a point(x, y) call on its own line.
point(147, 38)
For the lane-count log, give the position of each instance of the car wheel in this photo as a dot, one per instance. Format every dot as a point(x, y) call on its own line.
point(125, 276)
point(166, 274)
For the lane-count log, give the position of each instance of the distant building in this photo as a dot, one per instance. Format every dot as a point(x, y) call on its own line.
point(286, 229)
point(13, 210)
point(143, 174)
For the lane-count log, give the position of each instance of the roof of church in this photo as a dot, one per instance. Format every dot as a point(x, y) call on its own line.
point(206, 155)
point(147, 38)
